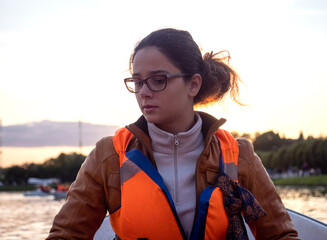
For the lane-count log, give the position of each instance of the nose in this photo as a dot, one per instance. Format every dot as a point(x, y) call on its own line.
point(145, 91)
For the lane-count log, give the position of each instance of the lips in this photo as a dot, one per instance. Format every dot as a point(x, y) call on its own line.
point(149, 108)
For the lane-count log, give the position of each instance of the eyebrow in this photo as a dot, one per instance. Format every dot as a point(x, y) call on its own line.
point(151, 73)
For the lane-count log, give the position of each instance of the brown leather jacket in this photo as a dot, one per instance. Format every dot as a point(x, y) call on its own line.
point(96, 189)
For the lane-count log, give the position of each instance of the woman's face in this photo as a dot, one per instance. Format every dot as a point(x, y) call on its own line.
point(171, 108)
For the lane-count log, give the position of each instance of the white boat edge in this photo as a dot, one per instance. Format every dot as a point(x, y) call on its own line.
point(307, 227)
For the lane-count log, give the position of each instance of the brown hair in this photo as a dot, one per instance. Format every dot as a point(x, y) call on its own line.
point(218, 78)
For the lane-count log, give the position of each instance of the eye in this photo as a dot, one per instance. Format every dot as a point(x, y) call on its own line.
point(158, 80)
point(138, 83)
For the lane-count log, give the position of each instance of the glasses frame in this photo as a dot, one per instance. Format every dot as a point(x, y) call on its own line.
point(145, 80)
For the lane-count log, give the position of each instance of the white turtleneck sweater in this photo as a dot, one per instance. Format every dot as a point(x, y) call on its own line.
point(176, 157)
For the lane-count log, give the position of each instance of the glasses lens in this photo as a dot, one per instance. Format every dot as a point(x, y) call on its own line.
point(133, 85)
point(157, 83)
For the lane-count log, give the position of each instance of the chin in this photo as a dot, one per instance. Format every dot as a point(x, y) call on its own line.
point(151, 119)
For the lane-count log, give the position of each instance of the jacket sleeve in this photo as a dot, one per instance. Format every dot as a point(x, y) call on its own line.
point(253, 176)
point(85, 206)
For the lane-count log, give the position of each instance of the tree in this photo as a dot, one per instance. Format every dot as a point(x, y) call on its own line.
point(301, 138)
point(15, 176)
point(267, 141)
point(301, 154)
point(64, 167)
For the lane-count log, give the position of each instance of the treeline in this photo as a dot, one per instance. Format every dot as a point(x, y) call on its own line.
point(277, 154)
point(282, 154)
point(64, 167)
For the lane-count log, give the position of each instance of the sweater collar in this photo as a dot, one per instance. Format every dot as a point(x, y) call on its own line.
point(165, 142)
point(209, 126)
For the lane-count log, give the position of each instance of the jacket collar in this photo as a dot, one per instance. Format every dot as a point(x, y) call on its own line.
point(210, 125)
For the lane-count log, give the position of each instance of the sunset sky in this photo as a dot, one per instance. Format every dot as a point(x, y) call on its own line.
point(65, 60)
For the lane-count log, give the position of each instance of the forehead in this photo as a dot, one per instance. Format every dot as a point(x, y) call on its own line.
point(150, 59)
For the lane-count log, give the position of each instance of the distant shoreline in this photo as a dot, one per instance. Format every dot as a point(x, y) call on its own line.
point(311, 181)
point(320, 180)
point(19, 188)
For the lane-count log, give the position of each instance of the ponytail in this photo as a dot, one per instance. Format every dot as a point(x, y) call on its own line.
point(218, 79)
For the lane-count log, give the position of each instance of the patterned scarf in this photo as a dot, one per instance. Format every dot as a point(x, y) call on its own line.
point(238, 200)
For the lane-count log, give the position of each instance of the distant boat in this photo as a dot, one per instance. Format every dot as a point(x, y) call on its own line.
point(308, 228)
point(41, 191)
point(59, 195)
point(37, 192)
point(42, 181)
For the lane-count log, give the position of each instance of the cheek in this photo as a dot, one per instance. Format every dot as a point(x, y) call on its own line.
point(138, 99)
point(177, 95)
point(174, 101)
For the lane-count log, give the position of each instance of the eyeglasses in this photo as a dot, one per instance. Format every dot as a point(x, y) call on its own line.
point(155, 83)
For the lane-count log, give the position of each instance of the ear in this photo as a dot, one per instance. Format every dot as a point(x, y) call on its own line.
point(195, 85)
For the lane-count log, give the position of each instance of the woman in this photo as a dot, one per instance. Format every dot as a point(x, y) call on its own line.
point(173, 174)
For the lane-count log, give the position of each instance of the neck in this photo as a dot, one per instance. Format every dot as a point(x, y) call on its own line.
point(180, 124)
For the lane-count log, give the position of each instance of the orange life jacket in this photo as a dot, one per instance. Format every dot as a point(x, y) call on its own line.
point(147, 210)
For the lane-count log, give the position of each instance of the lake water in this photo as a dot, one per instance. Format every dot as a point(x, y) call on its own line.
point(31, 217)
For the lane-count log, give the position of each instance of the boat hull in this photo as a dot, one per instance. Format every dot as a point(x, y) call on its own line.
point(308, 228)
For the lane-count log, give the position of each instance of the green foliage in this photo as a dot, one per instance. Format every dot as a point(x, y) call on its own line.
point(65, 167)
point(282, 154)
point(270, 141)
point(11, 188)
point(15, 175)
point(303, 181)
point(267, 141)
